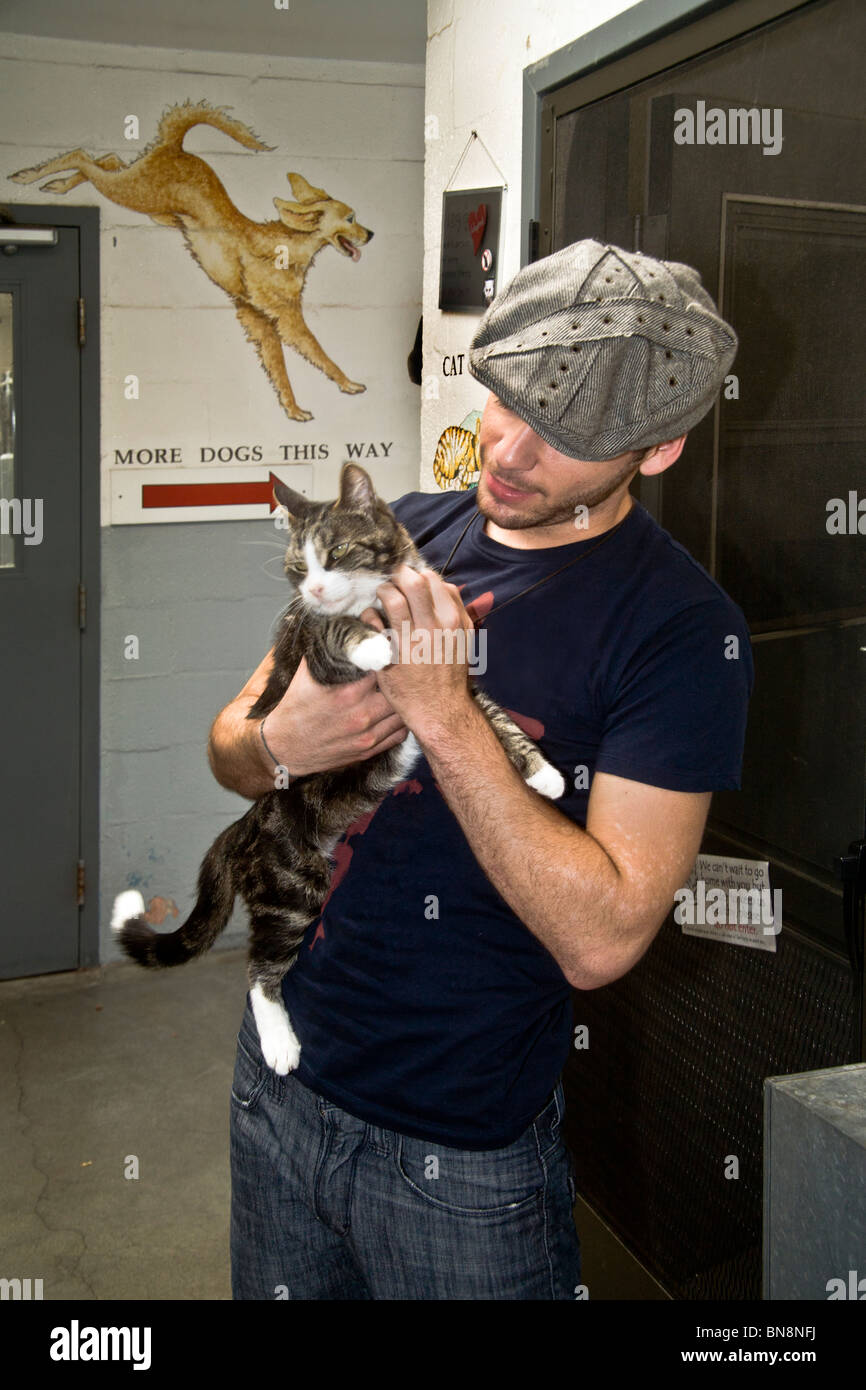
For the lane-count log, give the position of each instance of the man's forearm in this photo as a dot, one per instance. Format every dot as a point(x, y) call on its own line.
point(554, 876)
point(236, 753)
point(313, 728)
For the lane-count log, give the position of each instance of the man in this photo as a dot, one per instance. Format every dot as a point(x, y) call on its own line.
point(417, 1150)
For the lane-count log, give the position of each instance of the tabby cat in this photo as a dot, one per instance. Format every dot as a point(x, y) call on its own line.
point(278, 856)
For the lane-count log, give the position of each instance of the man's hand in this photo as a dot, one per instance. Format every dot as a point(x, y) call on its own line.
point(314, 728)
point(428, 686)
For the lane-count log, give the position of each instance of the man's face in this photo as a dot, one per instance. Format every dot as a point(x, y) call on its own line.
point(525, 482)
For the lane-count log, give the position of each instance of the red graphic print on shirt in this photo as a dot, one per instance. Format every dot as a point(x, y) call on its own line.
point(343, 851)
point(479, 607)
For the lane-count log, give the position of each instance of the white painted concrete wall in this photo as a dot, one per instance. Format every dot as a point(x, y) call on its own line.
point(476, 53)
point(354, 129)
point(202, 597)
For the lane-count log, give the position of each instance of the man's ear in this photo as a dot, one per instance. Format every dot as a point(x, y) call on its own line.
point(661, 456)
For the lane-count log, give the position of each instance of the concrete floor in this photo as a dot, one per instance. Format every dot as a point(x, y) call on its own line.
point(98, 1067)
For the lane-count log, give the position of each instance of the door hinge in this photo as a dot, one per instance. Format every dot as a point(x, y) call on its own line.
point(80, 883)
point(82, 607)
point(534, 229)
point(82, 324)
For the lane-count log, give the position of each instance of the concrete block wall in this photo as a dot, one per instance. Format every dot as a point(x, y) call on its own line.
point(202, 596)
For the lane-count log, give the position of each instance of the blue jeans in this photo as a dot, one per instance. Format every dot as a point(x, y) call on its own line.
point(327, 1206)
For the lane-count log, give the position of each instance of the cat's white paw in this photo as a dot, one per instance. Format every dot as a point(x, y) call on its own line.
point(547, 781)
point(280, 1047)
point(372, 653)
point(127, 904)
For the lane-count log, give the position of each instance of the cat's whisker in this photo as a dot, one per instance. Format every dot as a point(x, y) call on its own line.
point(267, 568)
point(280, 545)
point(272, 545)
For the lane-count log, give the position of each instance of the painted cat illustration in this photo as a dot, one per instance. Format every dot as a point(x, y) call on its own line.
point(279, 856)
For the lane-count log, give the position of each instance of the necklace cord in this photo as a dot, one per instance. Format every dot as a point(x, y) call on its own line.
point(538, 583)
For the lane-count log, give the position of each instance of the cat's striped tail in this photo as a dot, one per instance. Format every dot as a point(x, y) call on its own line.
point(213, 907)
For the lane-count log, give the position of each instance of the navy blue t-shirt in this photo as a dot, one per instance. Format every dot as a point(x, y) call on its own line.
point(452, 1024)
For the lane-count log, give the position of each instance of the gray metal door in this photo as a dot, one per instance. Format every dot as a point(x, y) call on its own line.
point(40, 637)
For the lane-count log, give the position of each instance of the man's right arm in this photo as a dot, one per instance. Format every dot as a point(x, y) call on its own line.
point(314, 728)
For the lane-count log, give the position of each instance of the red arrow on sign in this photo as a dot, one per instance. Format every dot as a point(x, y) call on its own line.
point(209, 494)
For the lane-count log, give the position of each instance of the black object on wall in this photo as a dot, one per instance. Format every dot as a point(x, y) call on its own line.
point(414, 360)
point(470, 247)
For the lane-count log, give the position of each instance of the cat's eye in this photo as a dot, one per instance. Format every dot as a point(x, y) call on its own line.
point(338, 550)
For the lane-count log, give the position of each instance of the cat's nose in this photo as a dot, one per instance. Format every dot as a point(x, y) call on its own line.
point(317, 590)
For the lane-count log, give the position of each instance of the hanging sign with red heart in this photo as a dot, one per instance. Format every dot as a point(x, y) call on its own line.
point(477, 222)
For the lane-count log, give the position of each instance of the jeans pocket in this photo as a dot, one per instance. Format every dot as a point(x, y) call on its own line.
point(492, 1183)
point(250, 1076)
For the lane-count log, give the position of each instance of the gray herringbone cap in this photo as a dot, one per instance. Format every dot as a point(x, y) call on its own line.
point(602, 350)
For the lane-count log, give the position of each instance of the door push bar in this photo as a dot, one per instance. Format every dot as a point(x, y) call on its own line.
point(13, 235)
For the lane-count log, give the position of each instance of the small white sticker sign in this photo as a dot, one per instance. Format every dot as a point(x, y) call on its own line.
point(730, 900)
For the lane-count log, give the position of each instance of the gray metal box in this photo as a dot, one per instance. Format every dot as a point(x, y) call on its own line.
point(815, 1185)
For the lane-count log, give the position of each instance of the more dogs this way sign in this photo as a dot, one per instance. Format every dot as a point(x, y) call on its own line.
point(200, 494)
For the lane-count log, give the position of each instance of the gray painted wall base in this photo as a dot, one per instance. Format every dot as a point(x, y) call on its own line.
point(815, 1185)
point(202, 599)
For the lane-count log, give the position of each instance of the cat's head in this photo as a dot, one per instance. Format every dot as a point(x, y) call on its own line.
point(340, 552)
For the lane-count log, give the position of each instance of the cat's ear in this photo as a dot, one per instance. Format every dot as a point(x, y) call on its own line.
point(357, 493)
point(294, 502)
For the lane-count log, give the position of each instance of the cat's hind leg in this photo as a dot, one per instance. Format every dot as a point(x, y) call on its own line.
point(278, 931)
point(277, 1038)
point(526, 756)
point(285, 887)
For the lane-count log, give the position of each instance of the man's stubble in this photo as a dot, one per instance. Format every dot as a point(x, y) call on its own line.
point(540, 510)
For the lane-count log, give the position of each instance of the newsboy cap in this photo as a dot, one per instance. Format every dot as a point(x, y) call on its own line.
point(603, 350)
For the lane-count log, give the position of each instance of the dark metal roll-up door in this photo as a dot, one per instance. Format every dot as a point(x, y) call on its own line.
point(768, 497)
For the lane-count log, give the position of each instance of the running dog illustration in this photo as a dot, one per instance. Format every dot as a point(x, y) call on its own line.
point(262, 266)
